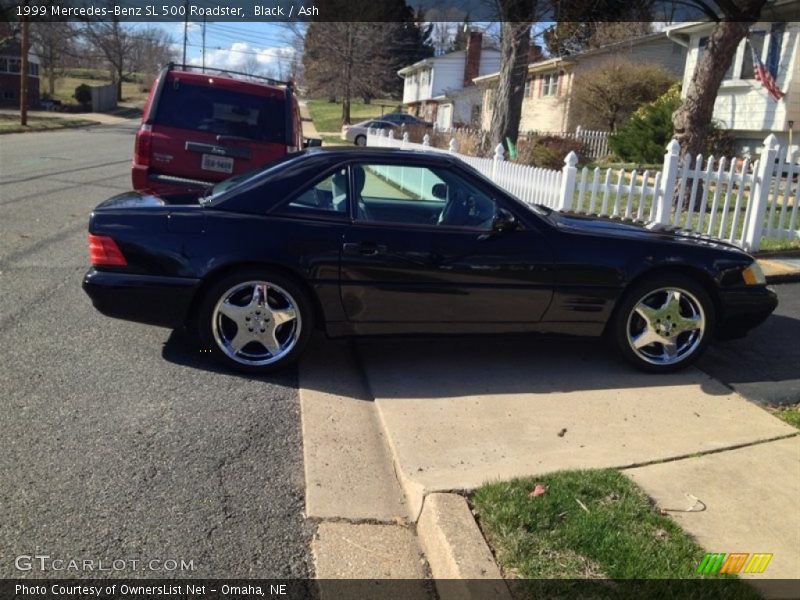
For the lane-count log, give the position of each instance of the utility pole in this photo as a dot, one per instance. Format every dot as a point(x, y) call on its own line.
point(23, 75)
point(204, 43)
point(185, 27)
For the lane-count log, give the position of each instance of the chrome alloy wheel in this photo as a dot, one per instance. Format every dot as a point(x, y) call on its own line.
point(666, 326)
point(256, 323)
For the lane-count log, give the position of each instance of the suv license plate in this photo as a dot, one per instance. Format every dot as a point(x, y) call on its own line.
point(220, 164)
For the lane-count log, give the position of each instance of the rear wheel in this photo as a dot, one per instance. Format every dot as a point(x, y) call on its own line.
point(361, 140)
point(664, 323)
point(256, 321)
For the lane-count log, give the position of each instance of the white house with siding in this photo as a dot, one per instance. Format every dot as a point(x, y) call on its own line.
point(743, 105)
point(440, 89)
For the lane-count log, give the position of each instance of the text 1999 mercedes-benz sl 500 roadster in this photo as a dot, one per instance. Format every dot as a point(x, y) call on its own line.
point(376, 241)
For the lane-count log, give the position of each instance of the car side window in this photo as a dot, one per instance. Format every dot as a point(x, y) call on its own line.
point(420, 196)
point(326, 197)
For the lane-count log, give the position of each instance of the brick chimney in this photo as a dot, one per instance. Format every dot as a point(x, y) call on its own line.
point(472, 59)
point(534, 53)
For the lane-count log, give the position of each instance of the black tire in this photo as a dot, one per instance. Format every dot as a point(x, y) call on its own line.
point(691, 302)
point(361, 140)
point(280, 295)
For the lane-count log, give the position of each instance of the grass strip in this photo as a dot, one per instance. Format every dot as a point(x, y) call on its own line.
point(593, 524)
point(10, 124)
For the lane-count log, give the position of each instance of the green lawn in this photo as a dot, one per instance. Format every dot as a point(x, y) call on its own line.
point(790, 414)
point(10, 123)
point(587, 525)
point(327, 116)
point(65, 89)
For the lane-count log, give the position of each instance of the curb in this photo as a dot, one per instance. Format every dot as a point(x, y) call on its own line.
point(456, 550)
point(783, 278)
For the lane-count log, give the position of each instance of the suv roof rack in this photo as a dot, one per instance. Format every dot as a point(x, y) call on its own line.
point(268, 80)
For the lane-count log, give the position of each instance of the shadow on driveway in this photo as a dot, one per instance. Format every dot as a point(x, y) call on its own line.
point(183, 348)
point(764, 366)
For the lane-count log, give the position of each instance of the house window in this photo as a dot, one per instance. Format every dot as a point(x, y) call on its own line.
point(701, 48)
point(550, 84)
point(13, 65)
point(757, 44)
point(33, 69)
point(475, 116)
point(528, 86)
point(9, 95)
point(3, 65)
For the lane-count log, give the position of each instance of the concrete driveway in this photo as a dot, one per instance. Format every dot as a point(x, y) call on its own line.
point(457, 413)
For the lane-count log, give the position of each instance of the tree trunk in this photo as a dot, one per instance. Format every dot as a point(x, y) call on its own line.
point(348, 74)
point(507, 97)
point(23, 75)
point(692, 119)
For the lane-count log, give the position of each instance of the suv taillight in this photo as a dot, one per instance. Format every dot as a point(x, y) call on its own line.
point(143, 146)
point(104, 252)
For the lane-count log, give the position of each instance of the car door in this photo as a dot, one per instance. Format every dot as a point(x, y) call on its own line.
point(421, 252)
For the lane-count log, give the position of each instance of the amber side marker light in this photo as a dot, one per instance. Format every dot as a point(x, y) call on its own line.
point(753, 275)
point(104, 252)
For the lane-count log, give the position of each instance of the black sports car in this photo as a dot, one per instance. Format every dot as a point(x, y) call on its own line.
point(375, 241)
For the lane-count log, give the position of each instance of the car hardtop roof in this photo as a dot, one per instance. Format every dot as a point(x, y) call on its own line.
point(225, 77)
point(372, 153)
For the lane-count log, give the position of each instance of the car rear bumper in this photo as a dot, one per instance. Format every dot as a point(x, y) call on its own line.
point(163, 301)
point(164, 185)
point(744, 308)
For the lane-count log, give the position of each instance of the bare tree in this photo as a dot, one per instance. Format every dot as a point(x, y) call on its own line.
point(115, 43)
point(346, 59)
point(517, 18)
point(52, 40)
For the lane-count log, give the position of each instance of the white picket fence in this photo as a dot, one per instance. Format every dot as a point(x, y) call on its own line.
point(728, 199)
point(595, 142)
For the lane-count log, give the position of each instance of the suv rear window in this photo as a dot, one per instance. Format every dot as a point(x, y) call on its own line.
point(222, 112)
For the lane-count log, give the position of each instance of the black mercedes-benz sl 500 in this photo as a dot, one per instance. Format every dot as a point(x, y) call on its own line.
point(376, 241)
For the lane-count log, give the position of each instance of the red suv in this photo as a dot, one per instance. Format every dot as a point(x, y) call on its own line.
point(200, 128)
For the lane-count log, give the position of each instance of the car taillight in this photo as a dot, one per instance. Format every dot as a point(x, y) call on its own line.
point(104, 252)
point(143, 146)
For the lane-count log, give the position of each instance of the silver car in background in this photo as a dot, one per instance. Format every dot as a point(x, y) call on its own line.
point(357, 133)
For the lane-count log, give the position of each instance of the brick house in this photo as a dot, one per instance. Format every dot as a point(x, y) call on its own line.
point(10, 65)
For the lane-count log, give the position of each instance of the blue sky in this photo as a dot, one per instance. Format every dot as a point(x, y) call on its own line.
point(232, 45)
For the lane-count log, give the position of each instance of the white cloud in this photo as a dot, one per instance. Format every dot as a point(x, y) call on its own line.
point(241, 56)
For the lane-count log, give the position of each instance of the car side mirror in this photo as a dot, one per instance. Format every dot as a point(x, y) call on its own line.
point(504, 221)
point(439, 191)
point(312, 142)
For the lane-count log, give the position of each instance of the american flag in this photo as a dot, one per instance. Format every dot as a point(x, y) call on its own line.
point(766, 78)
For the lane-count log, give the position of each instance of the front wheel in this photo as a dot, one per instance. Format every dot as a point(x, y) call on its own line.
point(664, 323)
point(361, 140)
point(256, 321)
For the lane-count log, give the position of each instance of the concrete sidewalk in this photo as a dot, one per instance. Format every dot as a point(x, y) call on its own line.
point(101, 118)
point(780, 268)
point(750, 497)
point(444, 415)
point(309, 129)
point(459, 413)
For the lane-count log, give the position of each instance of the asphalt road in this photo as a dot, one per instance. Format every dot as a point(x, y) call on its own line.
point(121, 441)
point(763, 366)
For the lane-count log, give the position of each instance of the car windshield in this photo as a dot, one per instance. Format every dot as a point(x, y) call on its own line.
point(212, 193)
point(222, 112)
